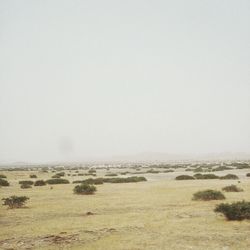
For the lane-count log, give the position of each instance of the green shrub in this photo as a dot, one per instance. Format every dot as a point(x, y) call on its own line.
point(229, 177)
point(184, 177)
point(3, 176)
point(57, 181)
point(61, 174)
point(152, 171)
point(25, 185)
point(208, 194)
point(168, 171)
point(84, 189)
point(26, 182)
point(124, 180)
point(15, 201)
point(33, 176)
point(4, 183)
point(248, 175)
point(235, 211)
point(56, 176)
point(221, 168)
point(96, 181)
point(206, 176)
point(232, 188)
point(40, 183)
point(111, 174)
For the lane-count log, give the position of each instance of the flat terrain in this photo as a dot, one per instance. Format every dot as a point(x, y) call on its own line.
point(156, 214)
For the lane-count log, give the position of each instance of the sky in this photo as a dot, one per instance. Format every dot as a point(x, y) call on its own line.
point(94, 79)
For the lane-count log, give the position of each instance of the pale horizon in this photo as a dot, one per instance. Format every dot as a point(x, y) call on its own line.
point(86, 80)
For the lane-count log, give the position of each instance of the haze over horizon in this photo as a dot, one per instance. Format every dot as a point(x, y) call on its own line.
point(97, 79)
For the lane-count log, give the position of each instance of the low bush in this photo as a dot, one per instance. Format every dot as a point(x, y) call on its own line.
point(3, 176)
point(57, 181)
point(208, 195)
point(26, 182)
point(206, 176)
point(248, 175)
point(111, 174)
point(40, 183)
point(184, 177)
point(25, 185)
point(235, 211)
point(4, 183)
point(152, 171)
point(91, 171)
point(124, 180)
point(33, 176)
point(96, 181)
point(229, 177)
point(221, 168)
point(61, 174)
point(168, 171)
point(84, 189)
point(56, 176)
point(15, 201)
point(232, 188)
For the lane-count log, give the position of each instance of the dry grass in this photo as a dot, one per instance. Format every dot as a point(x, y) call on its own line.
point(156, 214)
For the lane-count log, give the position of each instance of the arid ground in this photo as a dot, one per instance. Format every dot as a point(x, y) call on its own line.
point(155, 214)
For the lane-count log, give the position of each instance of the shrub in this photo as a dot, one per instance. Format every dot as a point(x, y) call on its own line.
point(40, 183)
point(248, 175)
point(125, 180)
point(25, 185)
point(55, 176)
point(232, 188)
point(4, 183)
point(91, 171)
point(229, 177)
point(222, 168)
point(184, 177)
point(168, 171)
point(57, 181)
point(206, 176)
point(96, 181)
point(152, 171)
point(15, 201)
point(26, 182)
point(84, 189)
point(235, 211)
point(33, 176)
point(111, 174)
point(60, 174)
point(3, 176)
point(208, 194)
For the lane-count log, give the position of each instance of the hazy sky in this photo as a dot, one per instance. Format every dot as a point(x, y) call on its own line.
point(85, 79)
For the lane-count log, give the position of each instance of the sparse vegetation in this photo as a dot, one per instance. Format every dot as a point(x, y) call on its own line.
point(111, 174)
point(232, 188)
point(40, 183)
point(33, 176)
point(206, 176)
point(25, 185)
point(184, 177)
point(4, 183)
point(248, 175)
point(208, 195)
point(26, 182)
point(235, 211)
point(229, 177)
point(15, 201)
point(57, 181)
point(2, 176)
point(84, 189)
point(125, 180)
